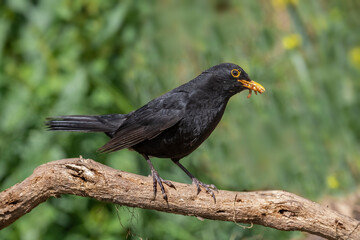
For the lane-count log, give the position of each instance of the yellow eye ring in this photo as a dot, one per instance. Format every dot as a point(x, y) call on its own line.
point(235, 73)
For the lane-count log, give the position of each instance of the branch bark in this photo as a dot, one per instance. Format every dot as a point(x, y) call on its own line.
point(87, 178)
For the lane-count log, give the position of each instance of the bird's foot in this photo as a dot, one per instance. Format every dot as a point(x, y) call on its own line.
point(210, 188)
point(158, 180)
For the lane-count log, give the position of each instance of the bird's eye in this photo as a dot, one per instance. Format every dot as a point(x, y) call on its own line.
point(235, 73)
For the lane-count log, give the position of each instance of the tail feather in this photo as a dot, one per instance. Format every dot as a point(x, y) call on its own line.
point(86, 123)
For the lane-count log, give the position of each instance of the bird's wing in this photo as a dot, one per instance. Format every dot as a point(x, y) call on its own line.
point(148, 121)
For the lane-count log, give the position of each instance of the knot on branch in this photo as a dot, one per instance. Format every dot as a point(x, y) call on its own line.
point(82, 172)
point(287, 213)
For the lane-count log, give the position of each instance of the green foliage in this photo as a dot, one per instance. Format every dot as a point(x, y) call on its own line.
point(99, 57)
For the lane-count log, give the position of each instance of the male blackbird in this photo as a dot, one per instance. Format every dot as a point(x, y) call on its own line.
point(172, 125)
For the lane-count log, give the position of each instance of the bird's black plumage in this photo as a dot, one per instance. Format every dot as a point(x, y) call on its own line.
point(172, 125)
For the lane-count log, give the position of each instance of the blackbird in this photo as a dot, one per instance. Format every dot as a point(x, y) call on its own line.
point(172, 125)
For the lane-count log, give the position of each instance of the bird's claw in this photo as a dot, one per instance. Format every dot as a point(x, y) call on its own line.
point(170, 184)
point(213, 187)
point(158, 180)
point(210, 188)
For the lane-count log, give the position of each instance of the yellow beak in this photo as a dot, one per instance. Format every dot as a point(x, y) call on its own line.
point(252, 86)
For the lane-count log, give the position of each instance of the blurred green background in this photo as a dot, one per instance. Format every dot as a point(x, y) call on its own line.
point(98, 57)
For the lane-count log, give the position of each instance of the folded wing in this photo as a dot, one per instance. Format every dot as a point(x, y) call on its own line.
point(148, 122)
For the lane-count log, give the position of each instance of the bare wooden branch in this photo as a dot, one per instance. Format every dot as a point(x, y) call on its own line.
point(87, 178)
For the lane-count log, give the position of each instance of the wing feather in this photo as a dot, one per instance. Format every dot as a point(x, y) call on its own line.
point(148, 122)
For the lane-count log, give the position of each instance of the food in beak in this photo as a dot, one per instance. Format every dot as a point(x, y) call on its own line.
point(252, 86)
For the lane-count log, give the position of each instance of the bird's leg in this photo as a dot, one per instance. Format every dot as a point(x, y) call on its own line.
point(208, 187)
point(158, 180)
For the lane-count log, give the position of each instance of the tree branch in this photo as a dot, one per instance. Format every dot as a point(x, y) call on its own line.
point(87, 178)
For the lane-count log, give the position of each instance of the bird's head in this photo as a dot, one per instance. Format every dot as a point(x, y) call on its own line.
point(232, 79)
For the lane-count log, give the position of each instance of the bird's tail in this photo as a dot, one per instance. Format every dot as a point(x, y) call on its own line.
point(86, 123)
